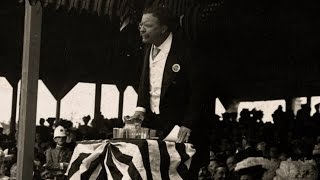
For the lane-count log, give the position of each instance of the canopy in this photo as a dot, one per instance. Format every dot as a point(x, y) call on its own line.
point(257, 49)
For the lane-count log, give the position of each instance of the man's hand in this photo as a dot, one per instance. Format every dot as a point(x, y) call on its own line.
point(138, 115)
point(183, 135)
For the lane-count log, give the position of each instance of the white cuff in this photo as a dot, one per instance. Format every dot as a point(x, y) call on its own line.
point(61, 165)
point(142, 109)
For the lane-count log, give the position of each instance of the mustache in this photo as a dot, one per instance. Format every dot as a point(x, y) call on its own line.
point(144, 34)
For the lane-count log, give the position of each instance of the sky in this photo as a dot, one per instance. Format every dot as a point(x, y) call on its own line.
point(268, 107)
point(79, 102)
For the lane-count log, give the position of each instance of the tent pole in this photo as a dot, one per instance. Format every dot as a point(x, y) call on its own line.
point(121, 89)
point(97, 100)
point(58, 109)
point(14, 108)
point(29, 90)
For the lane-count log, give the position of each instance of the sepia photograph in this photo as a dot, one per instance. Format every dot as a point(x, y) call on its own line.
point(159, 90)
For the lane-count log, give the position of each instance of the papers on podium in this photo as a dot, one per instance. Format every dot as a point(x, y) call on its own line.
point(173, 135)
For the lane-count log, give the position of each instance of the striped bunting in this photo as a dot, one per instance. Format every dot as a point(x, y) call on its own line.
point(130, 160)
point(87, 168)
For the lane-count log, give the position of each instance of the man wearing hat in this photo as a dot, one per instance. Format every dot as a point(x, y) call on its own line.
point(58, 158)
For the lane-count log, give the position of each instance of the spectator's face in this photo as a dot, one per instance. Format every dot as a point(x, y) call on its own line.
point(231, 162)
point(212, 165)
point(203, 174)
point(220, 174)
point(273, 152)
point(60, 140)
point(283, 157)
point(38, 137)
point(246, 177)
point(151, 30)
point(261, 146)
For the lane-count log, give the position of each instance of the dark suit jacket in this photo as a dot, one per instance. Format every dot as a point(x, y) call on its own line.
point(182, 94)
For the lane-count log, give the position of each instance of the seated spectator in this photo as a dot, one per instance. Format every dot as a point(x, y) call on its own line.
point(204, 174)
point(316, 153)
point(250, 169)
point(71, 138)
point(39, 160)
point(261, 149)
point(274, 154)
point(231, 164)
point(252, 173)
point(3, 137)
point(58, 158)
point(40, 144)
point(212, 166)
point(220, 172)
point(2, 166)
point(283, 156)
point(247, 150)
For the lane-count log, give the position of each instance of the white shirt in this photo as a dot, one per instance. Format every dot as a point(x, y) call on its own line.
point(156, 69)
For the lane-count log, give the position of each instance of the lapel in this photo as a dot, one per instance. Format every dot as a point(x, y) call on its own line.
point(145, 73)
point(146, 65)
point(168, 74)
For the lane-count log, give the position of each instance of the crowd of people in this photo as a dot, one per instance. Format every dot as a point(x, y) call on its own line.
point(54, 145)
point(239, 149)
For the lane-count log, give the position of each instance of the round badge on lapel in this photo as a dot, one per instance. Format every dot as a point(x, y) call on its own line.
point(176, 68)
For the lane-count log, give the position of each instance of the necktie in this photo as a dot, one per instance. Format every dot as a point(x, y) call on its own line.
point(155, 52)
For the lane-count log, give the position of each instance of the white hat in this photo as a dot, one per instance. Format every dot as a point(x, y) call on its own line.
point(59, 132)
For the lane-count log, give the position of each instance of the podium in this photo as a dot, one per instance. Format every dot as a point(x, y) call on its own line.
point(136, 159)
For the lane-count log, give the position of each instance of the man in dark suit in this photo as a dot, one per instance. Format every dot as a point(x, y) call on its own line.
point(171, 90)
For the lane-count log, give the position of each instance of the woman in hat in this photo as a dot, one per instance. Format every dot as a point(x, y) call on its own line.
point(251, 173)
point(256, 168)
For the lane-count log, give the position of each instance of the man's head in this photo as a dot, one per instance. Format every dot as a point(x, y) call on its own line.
point(231, 163)
point(51, 121)
point(220, 172)
point(86, 119)
point(42, 121)
point(156, 24)
point(59, 135)
point(261, 146)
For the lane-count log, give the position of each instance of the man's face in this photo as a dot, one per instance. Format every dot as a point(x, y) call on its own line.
point(150, 29)
point(246, 177)
point(231, 162)
point(212, 165)
point(38, 137)
point(261, 146)
point(220, 173)
point(60, 140)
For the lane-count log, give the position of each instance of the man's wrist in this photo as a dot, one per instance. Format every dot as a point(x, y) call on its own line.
point(61, 166)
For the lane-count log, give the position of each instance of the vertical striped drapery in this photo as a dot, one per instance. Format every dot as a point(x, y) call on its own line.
point(130, 159)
